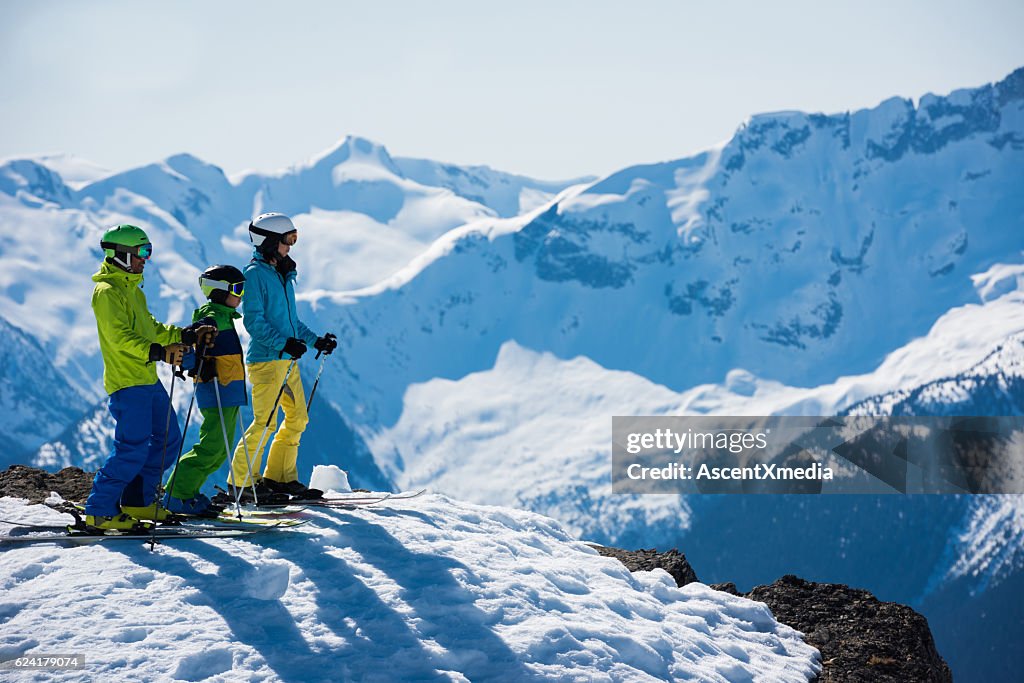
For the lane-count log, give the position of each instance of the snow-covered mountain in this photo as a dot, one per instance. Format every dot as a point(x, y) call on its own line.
point(780, 253)
point(360, 219)
point(435, 588)
point(807, 249)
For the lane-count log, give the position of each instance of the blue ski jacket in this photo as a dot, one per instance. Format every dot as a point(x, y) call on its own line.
point(269, 313)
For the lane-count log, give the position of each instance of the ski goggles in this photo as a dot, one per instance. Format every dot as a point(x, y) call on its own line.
point(143, 251)
point(236, 288)
point(290, 238)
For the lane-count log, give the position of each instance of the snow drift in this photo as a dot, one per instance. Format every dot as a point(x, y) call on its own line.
point(438, 589)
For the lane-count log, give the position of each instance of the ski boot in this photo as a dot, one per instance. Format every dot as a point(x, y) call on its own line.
point(119, 522)
point(263, 493)
point(149, 513)
point(293, 488)
point(197, 506)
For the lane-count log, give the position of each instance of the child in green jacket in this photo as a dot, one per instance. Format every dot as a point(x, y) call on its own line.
point(220, 391)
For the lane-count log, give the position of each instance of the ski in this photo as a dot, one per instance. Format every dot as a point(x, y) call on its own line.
point(325, 503)
point(336, 502)
point(364, 499)
point(359, 500)
point(63, 535)
point(225, 521)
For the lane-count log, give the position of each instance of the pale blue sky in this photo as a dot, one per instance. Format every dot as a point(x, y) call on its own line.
point(550, 89)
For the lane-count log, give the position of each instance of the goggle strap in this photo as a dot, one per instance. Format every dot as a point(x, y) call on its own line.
point(262, 231)
point(268, 233)
point(125, 248)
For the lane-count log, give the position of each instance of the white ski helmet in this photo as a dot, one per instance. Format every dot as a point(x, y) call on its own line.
point(274, 226)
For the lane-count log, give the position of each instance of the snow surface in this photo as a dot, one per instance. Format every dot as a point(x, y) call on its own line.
point(433, 589)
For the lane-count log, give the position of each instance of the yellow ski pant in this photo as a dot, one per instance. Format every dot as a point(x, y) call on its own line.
point(266, 381)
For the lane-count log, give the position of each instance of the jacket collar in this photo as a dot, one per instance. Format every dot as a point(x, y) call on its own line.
point(112, 274)
point(213, 307)
point(258, 259)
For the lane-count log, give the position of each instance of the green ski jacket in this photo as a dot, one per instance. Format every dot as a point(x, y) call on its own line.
point(126, 329)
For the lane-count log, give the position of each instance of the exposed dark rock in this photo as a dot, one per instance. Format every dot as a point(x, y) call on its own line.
point(727, 587)
point(860, 637)
point(672, 561)
point(21, 481)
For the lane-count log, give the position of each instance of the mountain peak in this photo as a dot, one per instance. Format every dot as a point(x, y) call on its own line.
point(359, 150)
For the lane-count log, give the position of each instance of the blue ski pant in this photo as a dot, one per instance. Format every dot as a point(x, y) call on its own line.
point(133, 471)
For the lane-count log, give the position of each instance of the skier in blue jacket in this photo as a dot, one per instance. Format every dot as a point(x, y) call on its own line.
point(277, 336)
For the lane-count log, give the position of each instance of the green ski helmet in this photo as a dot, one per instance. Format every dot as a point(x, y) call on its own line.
point(219, 281)
point(123, 240)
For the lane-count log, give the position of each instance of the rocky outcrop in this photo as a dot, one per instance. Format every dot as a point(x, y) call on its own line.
point(20, 481)
point(860, 637)
point(672, 561)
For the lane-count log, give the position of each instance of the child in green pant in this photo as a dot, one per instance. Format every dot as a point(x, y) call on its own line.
point(220, 391)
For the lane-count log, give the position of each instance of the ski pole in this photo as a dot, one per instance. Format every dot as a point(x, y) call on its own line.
point(224, 432)
point(248, 460)
point(271, 416)
point(188, 418)
point(317, 382)
point(167, 428)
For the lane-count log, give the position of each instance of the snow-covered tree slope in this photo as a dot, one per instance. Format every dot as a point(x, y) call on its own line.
point(35, 399)
point(994, 386)
point(988, 546)
point(437, 589)
point(807, 248)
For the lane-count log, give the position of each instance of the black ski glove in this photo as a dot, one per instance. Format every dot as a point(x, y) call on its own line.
point(202, 333)
point(326, 344)
point(208, 369)
point(293, 347)
point(172, 354)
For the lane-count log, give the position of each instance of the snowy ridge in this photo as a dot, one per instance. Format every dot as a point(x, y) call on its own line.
point(545, 448)
point(441, 590)
point(995, 386)
point(509, 195)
